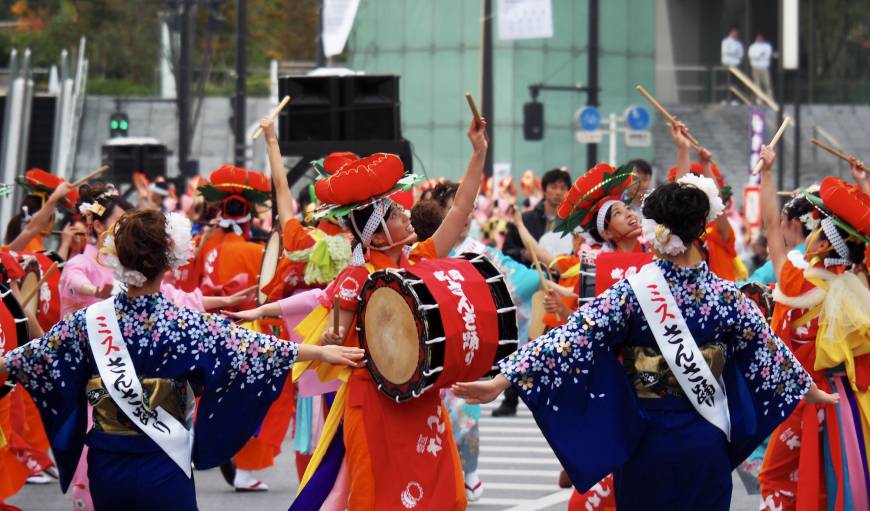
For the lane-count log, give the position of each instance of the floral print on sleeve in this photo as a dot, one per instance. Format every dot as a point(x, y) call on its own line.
point(566, 353)
point(778, 379)
point(54, 367)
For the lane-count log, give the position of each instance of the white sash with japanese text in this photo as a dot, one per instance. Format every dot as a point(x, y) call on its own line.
point(678, 347)
point(121, 381)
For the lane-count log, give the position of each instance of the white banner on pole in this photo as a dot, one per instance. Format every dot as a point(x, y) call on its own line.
point(525, 19)
point(790, 34)
point(338, 16)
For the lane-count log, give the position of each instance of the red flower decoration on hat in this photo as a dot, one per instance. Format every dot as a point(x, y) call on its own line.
point(335, 161)
point(847, 202)
point(37, 181)
point(227, 181)
point(360, 180)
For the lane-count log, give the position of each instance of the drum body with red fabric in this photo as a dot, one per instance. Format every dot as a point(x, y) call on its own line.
point(435, 323)
point(13, 329)
point(46, 305)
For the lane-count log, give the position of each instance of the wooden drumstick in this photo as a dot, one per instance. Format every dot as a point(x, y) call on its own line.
point(89, 176)
point(475, 112)
point(335, 315)
point(663, 111)
point(272, 116)
point(33, 292)
point(836, 152)
point(775, 140)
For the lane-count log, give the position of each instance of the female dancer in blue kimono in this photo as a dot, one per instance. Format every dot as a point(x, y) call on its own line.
point(661, 420)
point(139, 360)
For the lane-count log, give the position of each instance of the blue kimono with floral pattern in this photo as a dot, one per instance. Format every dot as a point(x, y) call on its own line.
point(663, 454)
point(235, 372)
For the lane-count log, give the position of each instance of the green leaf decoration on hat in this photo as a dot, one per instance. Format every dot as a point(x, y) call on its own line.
point(609, 182)
point(213, 194)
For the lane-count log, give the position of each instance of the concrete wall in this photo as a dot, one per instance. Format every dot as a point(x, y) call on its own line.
point(212, 142)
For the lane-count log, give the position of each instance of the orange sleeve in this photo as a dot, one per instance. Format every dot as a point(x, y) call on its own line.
point(296, 236)
point(424, 250)
point(721, 254)
point(791, 283)
point(564, 263)
point(791, 280)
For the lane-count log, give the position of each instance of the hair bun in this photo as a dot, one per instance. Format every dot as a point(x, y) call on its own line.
point(142, 243)
point(681, 208)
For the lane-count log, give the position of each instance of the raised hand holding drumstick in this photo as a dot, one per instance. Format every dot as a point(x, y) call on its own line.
point(272, 115)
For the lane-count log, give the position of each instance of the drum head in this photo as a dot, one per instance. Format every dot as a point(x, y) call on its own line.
point(392, 340)
point(29, 283)
point(269, 264)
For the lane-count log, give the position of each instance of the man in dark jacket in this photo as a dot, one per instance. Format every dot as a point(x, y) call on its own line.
point(542, 219)
point(539, 221)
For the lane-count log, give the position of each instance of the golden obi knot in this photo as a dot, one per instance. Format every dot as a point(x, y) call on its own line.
point(651, 376)
point(159, 392)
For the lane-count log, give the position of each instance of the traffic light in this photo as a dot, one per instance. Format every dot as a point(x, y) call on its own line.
point(118, 125)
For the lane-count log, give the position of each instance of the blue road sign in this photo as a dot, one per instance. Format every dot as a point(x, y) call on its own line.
point(589, 118)
point(637, 117)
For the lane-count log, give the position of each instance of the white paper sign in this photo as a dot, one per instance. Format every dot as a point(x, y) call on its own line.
point(338, 16)
point(525, 19)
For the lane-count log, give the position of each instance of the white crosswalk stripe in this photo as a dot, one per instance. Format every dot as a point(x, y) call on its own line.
point(518, 469)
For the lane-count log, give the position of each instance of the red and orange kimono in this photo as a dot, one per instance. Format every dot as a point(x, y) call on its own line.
point(822, 446)
point(261, 450)
point(230, 263)
point(396, 454)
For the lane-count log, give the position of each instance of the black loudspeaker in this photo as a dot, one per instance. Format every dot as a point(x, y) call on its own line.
point(340, 108)
point(533, 120)
point(153, 160)
point(371, 106)
point(313, 113)
point(124, 158)
point(41, 134)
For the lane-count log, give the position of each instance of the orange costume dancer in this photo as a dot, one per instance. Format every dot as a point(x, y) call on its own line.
point(40, 186)
point(375, 453)
point(228, 262)
point(13, 326)
point(821, 313)
point(231, 262)
point(46, 194)
point(719, 240)
point(312, 258)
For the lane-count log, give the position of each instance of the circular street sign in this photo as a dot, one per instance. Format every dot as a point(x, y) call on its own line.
point(637, 117)
point(589, 118)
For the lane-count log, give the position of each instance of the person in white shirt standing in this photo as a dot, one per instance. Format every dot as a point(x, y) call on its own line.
point(760, 53)
point(732, 50)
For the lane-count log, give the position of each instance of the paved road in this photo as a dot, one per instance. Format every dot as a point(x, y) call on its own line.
point(518, 470)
